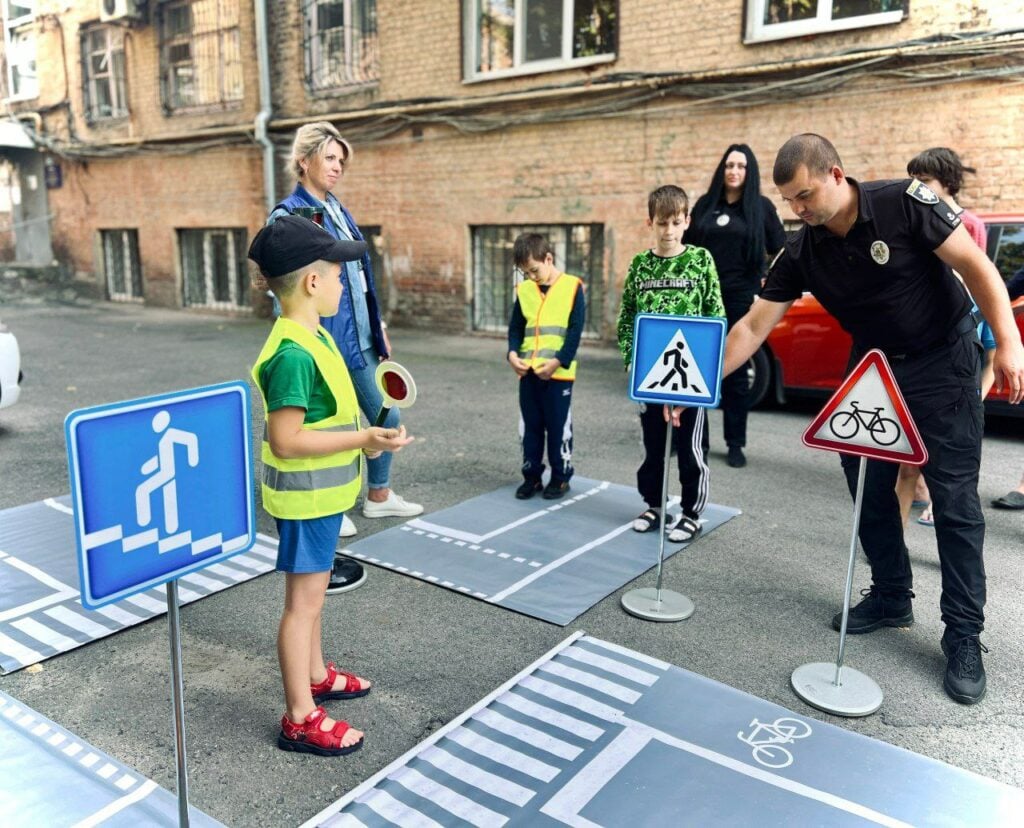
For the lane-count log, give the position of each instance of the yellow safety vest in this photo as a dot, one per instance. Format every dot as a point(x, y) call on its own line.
point(303, 488)
point(547, 314)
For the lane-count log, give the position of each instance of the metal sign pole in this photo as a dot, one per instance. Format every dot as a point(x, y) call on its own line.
point(177, 702)
point(820, 684)
point(657, 604)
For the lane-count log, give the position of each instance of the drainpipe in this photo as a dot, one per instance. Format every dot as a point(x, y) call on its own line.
point(266, 104)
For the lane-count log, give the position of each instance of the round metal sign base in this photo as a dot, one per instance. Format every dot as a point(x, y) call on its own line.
point(644, 603)
point(858, 695)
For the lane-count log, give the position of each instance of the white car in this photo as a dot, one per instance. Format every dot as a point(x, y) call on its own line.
point(10, 367)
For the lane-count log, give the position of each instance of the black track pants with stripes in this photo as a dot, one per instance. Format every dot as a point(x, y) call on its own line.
point(692, 440)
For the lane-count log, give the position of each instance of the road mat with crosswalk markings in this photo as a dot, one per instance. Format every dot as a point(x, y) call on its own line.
point(48, 776)
point(547, 559)
point(594, 734)
point(41, 614)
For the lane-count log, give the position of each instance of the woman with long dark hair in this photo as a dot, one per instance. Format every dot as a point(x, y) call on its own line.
point(742, 229)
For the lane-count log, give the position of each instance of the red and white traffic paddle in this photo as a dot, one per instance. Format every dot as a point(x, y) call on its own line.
point(396, 386)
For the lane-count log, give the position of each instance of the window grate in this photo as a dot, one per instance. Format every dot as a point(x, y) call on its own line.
point(340, 44)
point(213, 268)
point(122, 265)
point(579, 250)
point(200, 53)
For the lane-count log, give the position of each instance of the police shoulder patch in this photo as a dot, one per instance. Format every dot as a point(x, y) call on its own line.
point(920, 191)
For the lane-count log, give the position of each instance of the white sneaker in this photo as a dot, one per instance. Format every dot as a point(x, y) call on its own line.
point(348, 528)
point(394, 506)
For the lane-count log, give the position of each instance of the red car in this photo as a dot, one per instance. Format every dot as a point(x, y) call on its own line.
point(808, 351)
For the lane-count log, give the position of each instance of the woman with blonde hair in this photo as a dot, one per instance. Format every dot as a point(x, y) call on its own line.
point(319, 159)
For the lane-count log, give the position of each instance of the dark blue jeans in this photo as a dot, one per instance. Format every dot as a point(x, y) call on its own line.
point(545, 408)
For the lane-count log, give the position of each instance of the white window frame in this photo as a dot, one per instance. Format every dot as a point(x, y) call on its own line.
point(759, 32)
point(471, 45)
point(24, 25)
point(208, 275)
point(350, 71)
point(118, 86)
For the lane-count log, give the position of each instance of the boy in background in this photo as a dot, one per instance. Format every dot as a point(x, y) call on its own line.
point(311, 447)
point(679, 279)
point(544, 333)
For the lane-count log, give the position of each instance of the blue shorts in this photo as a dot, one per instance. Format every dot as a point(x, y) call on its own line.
point(307, 545)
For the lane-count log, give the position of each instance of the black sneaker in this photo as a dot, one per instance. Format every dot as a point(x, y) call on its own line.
point(736, 458)
point(965, 674)
point(554, 490)
point(346, 574)
point(528, 489)
point(877, 610)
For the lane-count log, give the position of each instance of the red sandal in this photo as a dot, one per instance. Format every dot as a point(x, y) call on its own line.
point(323, 692)
point(307, 737)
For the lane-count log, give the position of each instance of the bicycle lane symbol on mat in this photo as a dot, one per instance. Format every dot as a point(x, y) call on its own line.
point(768, 740)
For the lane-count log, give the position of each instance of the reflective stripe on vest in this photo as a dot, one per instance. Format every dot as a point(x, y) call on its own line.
point(304, 488)
point(547, 320)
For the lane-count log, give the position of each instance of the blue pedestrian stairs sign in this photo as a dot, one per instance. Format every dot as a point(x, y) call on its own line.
point(160, 487)
point(677, 360)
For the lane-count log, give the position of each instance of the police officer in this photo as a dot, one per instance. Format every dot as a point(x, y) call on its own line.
point(879, 257)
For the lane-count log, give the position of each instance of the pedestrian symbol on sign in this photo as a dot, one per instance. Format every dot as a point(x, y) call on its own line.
point(161, 467)
point(674, 373)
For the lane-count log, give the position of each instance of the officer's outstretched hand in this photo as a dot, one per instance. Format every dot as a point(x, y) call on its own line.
point(386, 439)
point(1008, 366)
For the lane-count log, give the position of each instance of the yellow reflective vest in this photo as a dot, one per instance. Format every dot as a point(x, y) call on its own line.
point(547, 321)
point(303, 488)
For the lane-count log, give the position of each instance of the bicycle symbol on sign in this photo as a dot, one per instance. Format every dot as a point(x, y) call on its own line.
point(846, 424)
point(767, 740)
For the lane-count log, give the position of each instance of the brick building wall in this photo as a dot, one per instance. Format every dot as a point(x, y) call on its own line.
point(436, 156)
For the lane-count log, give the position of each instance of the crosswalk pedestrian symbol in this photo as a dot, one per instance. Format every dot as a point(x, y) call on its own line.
point(160, 487)
point(677, 360)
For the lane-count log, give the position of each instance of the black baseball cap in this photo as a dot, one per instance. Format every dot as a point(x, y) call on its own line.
point(292, 242)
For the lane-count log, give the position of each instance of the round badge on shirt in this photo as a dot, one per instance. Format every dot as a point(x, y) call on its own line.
point(722, 220)
point(880, 251)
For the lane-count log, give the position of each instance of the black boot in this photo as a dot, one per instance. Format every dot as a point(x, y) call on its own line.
point(878, 609)
point(965, 674)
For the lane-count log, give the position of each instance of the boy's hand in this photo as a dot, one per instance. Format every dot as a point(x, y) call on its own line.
point(386, 439)
point(674, 413)
point(518, 365)
point(545, 370)
point(371, 454)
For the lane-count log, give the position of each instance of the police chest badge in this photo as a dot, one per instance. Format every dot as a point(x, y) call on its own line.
point(880, 252)
point(722, 220)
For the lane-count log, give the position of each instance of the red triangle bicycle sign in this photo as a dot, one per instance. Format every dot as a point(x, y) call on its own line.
point(867, 416)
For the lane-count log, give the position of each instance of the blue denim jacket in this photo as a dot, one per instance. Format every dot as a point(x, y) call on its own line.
point(343, 326)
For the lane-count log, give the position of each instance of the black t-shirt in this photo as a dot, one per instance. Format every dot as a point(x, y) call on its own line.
point(883, 281)
point(723, 231)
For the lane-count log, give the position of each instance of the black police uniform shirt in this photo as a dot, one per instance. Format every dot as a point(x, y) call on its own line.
point(723, 231)
point(882, 282)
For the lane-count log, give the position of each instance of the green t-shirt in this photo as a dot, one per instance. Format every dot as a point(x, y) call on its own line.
point(686, 285)
point(290, 378)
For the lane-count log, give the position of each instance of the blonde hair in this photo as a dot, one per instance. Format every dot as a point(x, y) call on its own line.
point(312, 139)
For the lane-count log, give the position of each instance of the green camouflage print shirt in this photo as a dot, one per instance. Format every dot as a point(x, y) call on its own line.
point(686, 285)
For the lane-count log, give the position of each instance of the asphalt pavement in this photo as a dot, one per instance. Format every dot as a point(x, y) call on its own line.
point(765, 585)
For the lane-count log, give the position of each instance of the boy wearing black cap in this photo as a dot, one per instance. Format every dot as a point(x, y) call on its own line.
point(310, 454)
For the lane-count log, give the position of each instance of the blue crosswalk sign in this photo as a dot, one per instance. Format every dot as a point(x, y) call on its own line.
point(160, 486)
point(677, 360)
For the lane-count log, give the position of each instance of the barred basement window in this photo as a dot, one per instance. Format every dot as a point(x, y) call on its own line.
point(516, 37)
point(103, 73)
point(213, 268)
point(340, 43)
point(579, 250)
point(121, 265)
point(200, 53)
point(777, 19)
